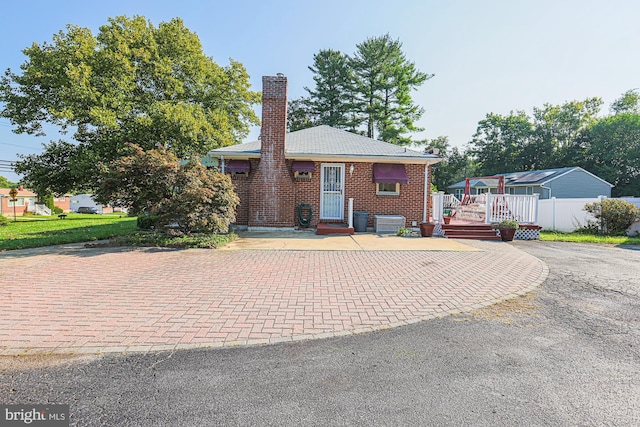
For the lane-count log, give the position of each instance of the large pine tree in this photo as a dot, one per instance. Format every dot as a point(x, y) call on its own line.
point(368, 93)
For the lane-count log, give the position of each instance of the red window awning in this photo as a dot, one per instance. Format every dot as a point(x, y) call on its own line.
point(302, 167)
point(238, 166)
point(388, 173)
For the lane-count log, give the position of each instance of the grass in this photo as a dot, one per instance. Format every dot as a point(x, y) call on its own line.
point(34, 232)
point(38, 231)
point(554, 236)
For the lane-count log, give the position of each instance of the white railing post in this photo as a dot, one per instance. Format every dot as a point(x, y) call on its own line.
point(350, 212)
point(440, 206)
point(536, 205)
point(488, 209)
point(553, 213)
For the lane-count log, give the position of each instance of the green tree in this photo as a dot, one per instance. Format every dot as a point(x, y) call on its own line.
point(456, 164)
point(558, 131)
point(500, 141)
point(612, 147)
point(300, 115)
point(4, 182)
point(629, 102)
point(131, 82)
point(331, 99)
point(384, 80)
point(155, 182)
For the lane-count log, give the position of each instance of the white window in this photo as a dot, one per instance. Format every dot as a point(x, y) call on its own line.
point(458, 192)
point(60, 199)
point(529, 191)
point(512, 190)
point(388, 189)
point(19, 201)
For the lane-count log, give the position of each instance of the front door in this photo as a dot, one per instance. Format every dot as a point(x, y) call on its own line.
point(332, 191)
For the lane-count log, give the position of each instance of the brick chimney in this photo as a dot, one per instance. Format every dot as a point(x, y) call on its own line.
point(272, 201)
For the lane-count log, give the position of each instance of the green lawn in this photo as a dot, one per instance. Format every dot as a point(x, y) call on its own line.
point(551, 236)
point(37, 231)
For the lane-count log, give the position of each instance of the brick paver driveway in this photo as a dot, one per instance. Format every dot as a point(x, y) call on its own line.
point(96, 300)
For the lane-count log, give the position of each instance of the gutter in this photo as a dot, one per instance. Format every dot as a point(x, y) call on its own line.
point(243, 155)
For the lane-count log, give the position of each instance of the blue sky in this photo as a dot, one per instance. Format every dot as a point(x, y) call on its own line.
point(487, 56)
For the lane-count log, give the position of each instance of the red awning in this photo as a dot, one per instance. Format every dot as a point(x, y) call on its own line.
point(302, 167)
point(238, 166)
point(387, 173)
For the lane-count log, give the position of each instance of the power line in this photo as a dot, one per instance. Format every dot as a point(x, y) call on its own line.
point(20, 146)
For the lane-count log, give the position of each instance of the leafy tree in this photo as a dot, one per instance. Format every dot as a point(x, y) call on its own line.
point(558, 129)
point(612, 147)
point(456, 164)
point(130, 82)
point(5, 183)
point(629, 102)
point(384, 79)
point(500, 141)
point(155, 182)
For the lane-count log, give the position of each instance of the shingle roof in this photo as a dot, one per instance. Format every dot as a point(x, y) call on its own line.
point(514, 179)
point(325, 141)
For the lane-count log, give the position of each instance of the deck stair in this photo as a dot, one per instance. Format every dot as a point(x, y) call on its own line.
point(324, 229)
point(470, 231)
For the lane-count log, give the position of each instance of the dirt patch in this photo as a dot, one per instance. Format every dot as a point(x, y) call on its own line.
point(515, 311)
point(42, 360)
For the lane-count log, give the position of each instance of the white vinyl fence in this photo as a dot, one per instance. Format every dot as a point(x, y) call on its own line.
point(569, 214)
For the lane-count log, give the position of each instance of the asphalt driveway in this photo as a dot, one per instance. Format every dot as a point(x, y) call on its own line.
point(566, 354)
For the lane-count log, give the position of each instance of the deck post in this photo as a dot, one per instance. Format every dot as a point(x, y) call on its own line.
point(350, 212)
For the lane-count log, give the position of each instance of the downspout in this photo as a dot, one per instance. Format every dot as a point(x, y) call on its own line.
point(426, 192)
point(546, 188)
point(222, 162)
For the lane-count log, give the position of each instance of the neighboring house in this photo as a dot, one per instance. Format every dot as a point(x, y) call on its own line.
point(86, 200)
point(321, 167)
point(26, 201)
point(562, 183)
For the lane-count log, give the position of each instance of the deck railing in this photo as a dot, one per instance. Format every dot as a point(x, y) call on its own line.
point(489, 208)
point(522, 208)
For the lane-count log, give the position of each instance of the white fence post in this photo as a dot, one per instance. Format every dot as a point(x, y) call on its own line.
point(553, 213)
point(350, 212)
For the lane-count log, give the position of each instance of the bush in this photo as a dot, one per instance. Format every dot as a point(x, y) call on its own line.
point(3, 220)
point(613, 216)
point(147, 222)
point(507, 224)
point(56, 210)
point(28, 213)
point(183, 195)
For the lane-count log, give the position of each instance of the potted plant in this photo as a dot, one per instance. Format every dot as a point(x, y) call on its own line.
point(447, 214)
point(508, 228)
point(426, 229)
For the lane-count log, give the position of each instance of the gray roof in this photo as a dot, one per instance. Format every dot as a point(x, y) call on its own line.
point(519, 179)
point(326, 142)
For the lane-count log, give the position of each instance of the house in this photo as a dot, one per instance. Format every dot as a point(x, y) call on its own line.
point(26, 201)
point(283, 177)
point(86, 200)
point(562, 183)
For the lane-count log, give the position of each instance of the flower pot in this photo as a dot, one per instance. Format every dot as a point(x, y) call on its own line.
point(507, 234)
point(426, 229)
point(447, 219)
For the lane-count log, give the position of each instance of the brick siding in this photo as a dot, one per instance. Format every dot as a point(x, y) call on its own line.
point(359, 186)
